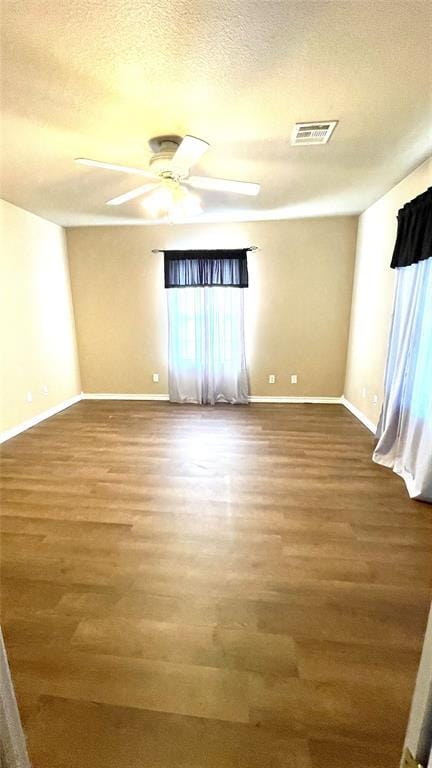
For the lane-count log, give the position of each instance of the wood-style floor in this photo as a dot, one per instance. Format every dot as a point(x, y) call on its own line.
point(230, 587)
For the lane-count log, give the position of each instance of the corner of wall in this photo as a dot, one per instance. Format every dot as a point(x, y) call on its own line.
point(372, 296)
point(40, 358)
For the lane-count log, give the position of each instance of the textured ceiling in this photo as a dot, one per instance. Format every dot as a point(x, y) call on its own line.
point(98, 78)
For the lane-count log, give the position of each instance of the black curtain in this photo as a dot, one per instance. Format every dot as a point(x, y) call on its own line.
point(414, 233)
point(206, 267)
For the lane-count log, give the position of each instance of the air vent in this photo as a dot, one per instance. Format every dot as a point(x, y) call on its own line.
point(312, 133)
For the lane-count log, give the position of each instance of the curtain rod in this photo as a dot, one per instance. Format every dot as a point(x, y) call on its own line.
point(250, 248)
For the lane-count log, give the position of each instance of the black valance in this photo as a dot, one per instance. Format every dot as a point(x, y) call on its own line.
point(206, 267)
point(414, 233)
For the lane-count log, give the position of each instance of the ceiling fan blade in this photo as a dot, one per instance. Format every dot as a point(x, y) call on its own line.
point(223, 185)
point(132, 194)
point(114, 167)
point(189, 152)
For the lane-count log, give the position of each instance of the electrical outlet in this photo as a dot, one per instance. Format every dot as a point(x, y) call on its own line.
point(44, 389)
point(155, 378)
point(293, 378)
point(29, 397)
point(272, 379)
point(375, 399)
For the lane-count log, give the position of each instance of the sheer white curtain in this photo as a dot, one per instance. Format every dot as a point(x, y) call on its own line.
point(405, 427)
point(206, 356)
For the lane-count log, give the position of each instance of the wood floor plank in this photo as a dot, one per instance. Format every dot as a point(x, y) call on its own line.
point(361, 712)
point(328, 754)
point(213, 646)
point(188, 689)
point(222, 587)
point(69, 734)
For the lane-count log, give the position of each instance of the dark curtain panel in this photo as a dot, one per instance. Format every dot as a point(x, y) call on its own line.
point(195, 268)
point(414, 233)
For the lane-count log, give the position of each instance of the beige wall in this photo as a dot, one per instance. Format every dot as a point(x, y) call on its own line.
point(373, 293)
point(37, 336)
point(297, 305)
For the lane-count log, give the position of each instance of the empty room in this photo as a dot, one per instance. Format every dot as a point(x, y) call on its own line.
point(216, 384)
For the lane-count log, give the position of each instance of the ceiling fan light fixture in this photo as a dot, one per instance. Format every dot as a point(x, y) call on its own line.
point(188, 206)
point(158, 202)
point(171, 201)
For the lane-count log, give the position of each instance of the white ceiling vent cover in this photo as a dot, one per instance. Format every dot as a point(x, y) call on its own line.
point(312, 133)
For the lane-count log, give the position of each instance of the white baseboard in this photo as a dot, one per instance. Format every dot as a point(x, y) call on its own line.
point(252, 398)
point(289, 399)
point(121, 396)
point(359, 415)
point(13, 431)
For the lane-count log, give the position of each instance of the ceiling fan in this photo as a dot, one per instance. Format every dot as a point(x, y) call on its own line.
point(168, 176)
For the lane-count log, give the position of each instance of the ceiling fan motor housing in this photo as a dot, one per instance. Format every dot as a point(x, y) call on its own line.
point(164, 148)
